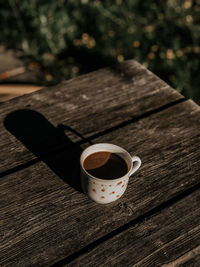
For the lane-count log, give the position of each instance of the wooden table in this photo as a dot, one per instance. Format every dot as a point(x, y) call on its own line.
point(44, 216)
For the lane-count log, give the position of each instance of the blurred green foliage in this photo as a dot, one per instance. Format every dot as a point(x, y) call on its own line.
point(67, 38)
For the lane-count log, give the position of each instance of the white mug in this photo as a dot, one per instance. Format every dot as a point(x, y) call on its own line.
point(104, 191)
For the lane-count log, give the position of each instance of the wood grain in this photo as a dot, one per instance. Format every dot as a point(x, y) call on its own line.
point(190, 258)
point(156, 241)
point(44, 219)
point(88, 104)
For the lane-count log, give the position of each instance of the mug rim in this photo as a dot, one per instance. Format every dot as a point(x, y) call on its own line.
point(82, 158)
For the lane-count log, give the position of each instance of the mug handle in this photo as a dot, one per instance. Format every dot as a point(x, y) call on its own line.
point(136, 165)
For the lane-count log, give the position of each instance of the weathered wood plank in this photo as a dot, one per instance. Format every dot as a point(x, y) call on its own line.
point(44, 219)
point(190, 258)
point(155, 241)
point(88, 104)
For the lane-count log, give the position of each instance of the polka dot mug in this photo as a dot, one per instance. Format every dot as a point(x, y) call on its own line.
point(104, 191)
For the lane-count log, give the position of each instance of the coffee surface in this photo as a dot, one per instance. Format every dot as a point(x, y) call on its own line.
point(105, 165)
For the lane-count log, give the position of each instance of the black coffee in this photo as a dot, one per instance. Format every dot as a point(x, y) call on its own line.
point(105, 165)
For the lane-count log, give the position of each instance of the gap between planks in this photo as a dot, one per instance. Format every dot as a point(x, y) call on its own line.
point(90, 138)
point(187, 109)
point(125, 227)
point(79, 104)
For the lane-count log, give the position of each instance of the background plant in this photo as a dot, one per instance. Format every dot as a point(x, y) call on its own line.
point(67, 38)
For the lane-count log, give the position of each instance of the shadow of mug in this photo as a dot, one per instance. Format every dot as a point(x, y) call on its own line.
point(44, 140)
